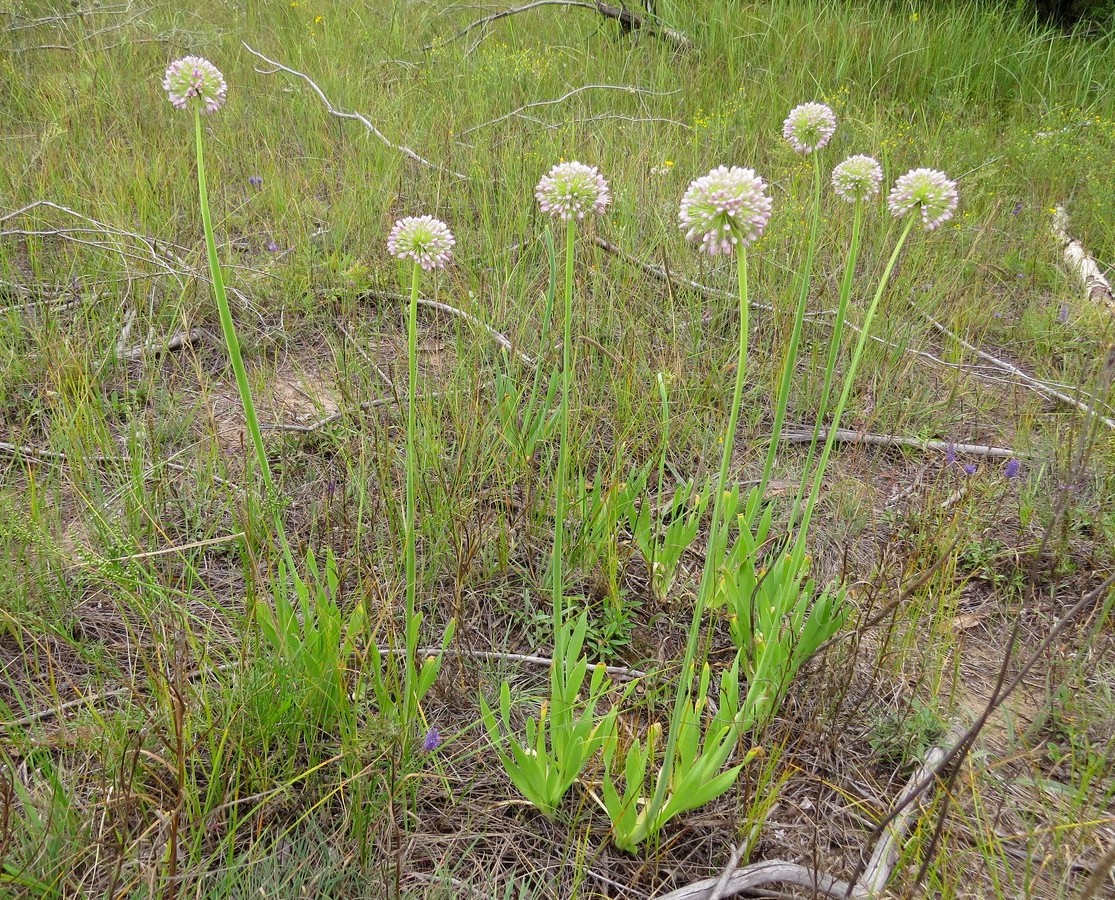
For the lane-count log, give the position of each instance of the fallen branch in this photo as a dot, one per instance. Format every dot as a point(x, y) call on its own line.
point(756, 875)
point(1096, 286)
point(176, 342)
point(1039, 386)
point(343, 114)
point(627, 19)
point(850, 436)
point(1003, 689)
point(885, 856)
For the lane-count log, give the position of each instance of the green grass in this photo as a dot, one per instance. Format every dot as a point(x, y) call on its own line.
point(128, 584)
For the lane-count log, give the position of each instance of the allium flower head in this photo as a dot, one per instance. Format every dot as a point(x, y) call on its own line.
point(929, 191)
point(432, 740)
point(193, 81)
point(857, 178)
point(572, 189)
point(1012, 469)
point(726, 207)
point(809, 127)
point(423, 239)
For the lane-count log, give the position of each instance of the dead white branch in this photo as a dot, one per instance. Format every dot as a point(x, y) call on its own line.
point(885, 856)
point(757, 875)
point(850, 436)
point(354, 116)
point(1096, 286)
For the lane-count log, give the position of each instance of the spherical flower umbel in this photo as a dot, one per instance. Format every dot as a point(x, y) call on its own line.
point(857, 178)
point(929, 191)
point(191, 81)
point(572, 189)
point(725, 208)
point(809, 127)
point(423, 239)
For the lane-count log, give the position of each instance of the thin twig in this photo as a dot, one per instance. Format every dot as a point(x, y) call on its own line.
point(619, 672)
point(850, 436)
point(24, 451)
point(1039, 386)
point(626, 88)
point(343, 114)
point(498, 336)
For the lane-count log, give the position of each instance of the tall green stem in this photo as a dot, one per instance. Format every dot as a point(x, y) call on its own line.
point(712, 562)
point(563, 415)
point(228, 328)
point(834, 350)
point(411, 553)
point(850, 378)
point(795, 334)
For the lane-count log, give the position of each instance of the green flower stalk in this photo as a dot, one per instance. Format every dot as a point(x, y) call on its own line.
point(428, 244)
point(568, 193)
point(934, 198)
point(195, 84)
point(856, 180)
point(808, 128)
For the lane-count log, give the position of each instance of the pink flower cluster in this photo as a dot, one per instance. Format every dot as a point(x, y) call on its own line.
point(726, 208)
point(423, 239)
point(809, 127)
point(928, 191)
point(194, 80)
point(571, 190)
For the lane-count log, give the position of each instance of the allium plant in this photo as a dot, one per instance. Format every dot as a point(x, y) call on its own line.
point(427, 243)
point(725, 204)
point(857, 179)
point(567, 733)
point(311, 642)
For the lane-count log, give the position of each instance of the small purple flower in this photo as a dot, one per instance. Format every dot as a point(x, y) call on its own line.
point(1063, 314)
point(571, 190)
point(193, 79)
point(724, 208)
point(256, 181)
point(432, 740)
point(1017, 208)
point(950, 454)
point(1012, 468)
point(928, 191)
point(809, 127)
point(273, 247)
point(969, 468)
point(423, 239)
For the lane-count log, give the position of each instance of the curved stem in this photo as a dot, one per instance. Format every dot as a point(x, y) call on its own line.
point(850, 378)
point(228, 328)
point(795, 335)
point(834, 351)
